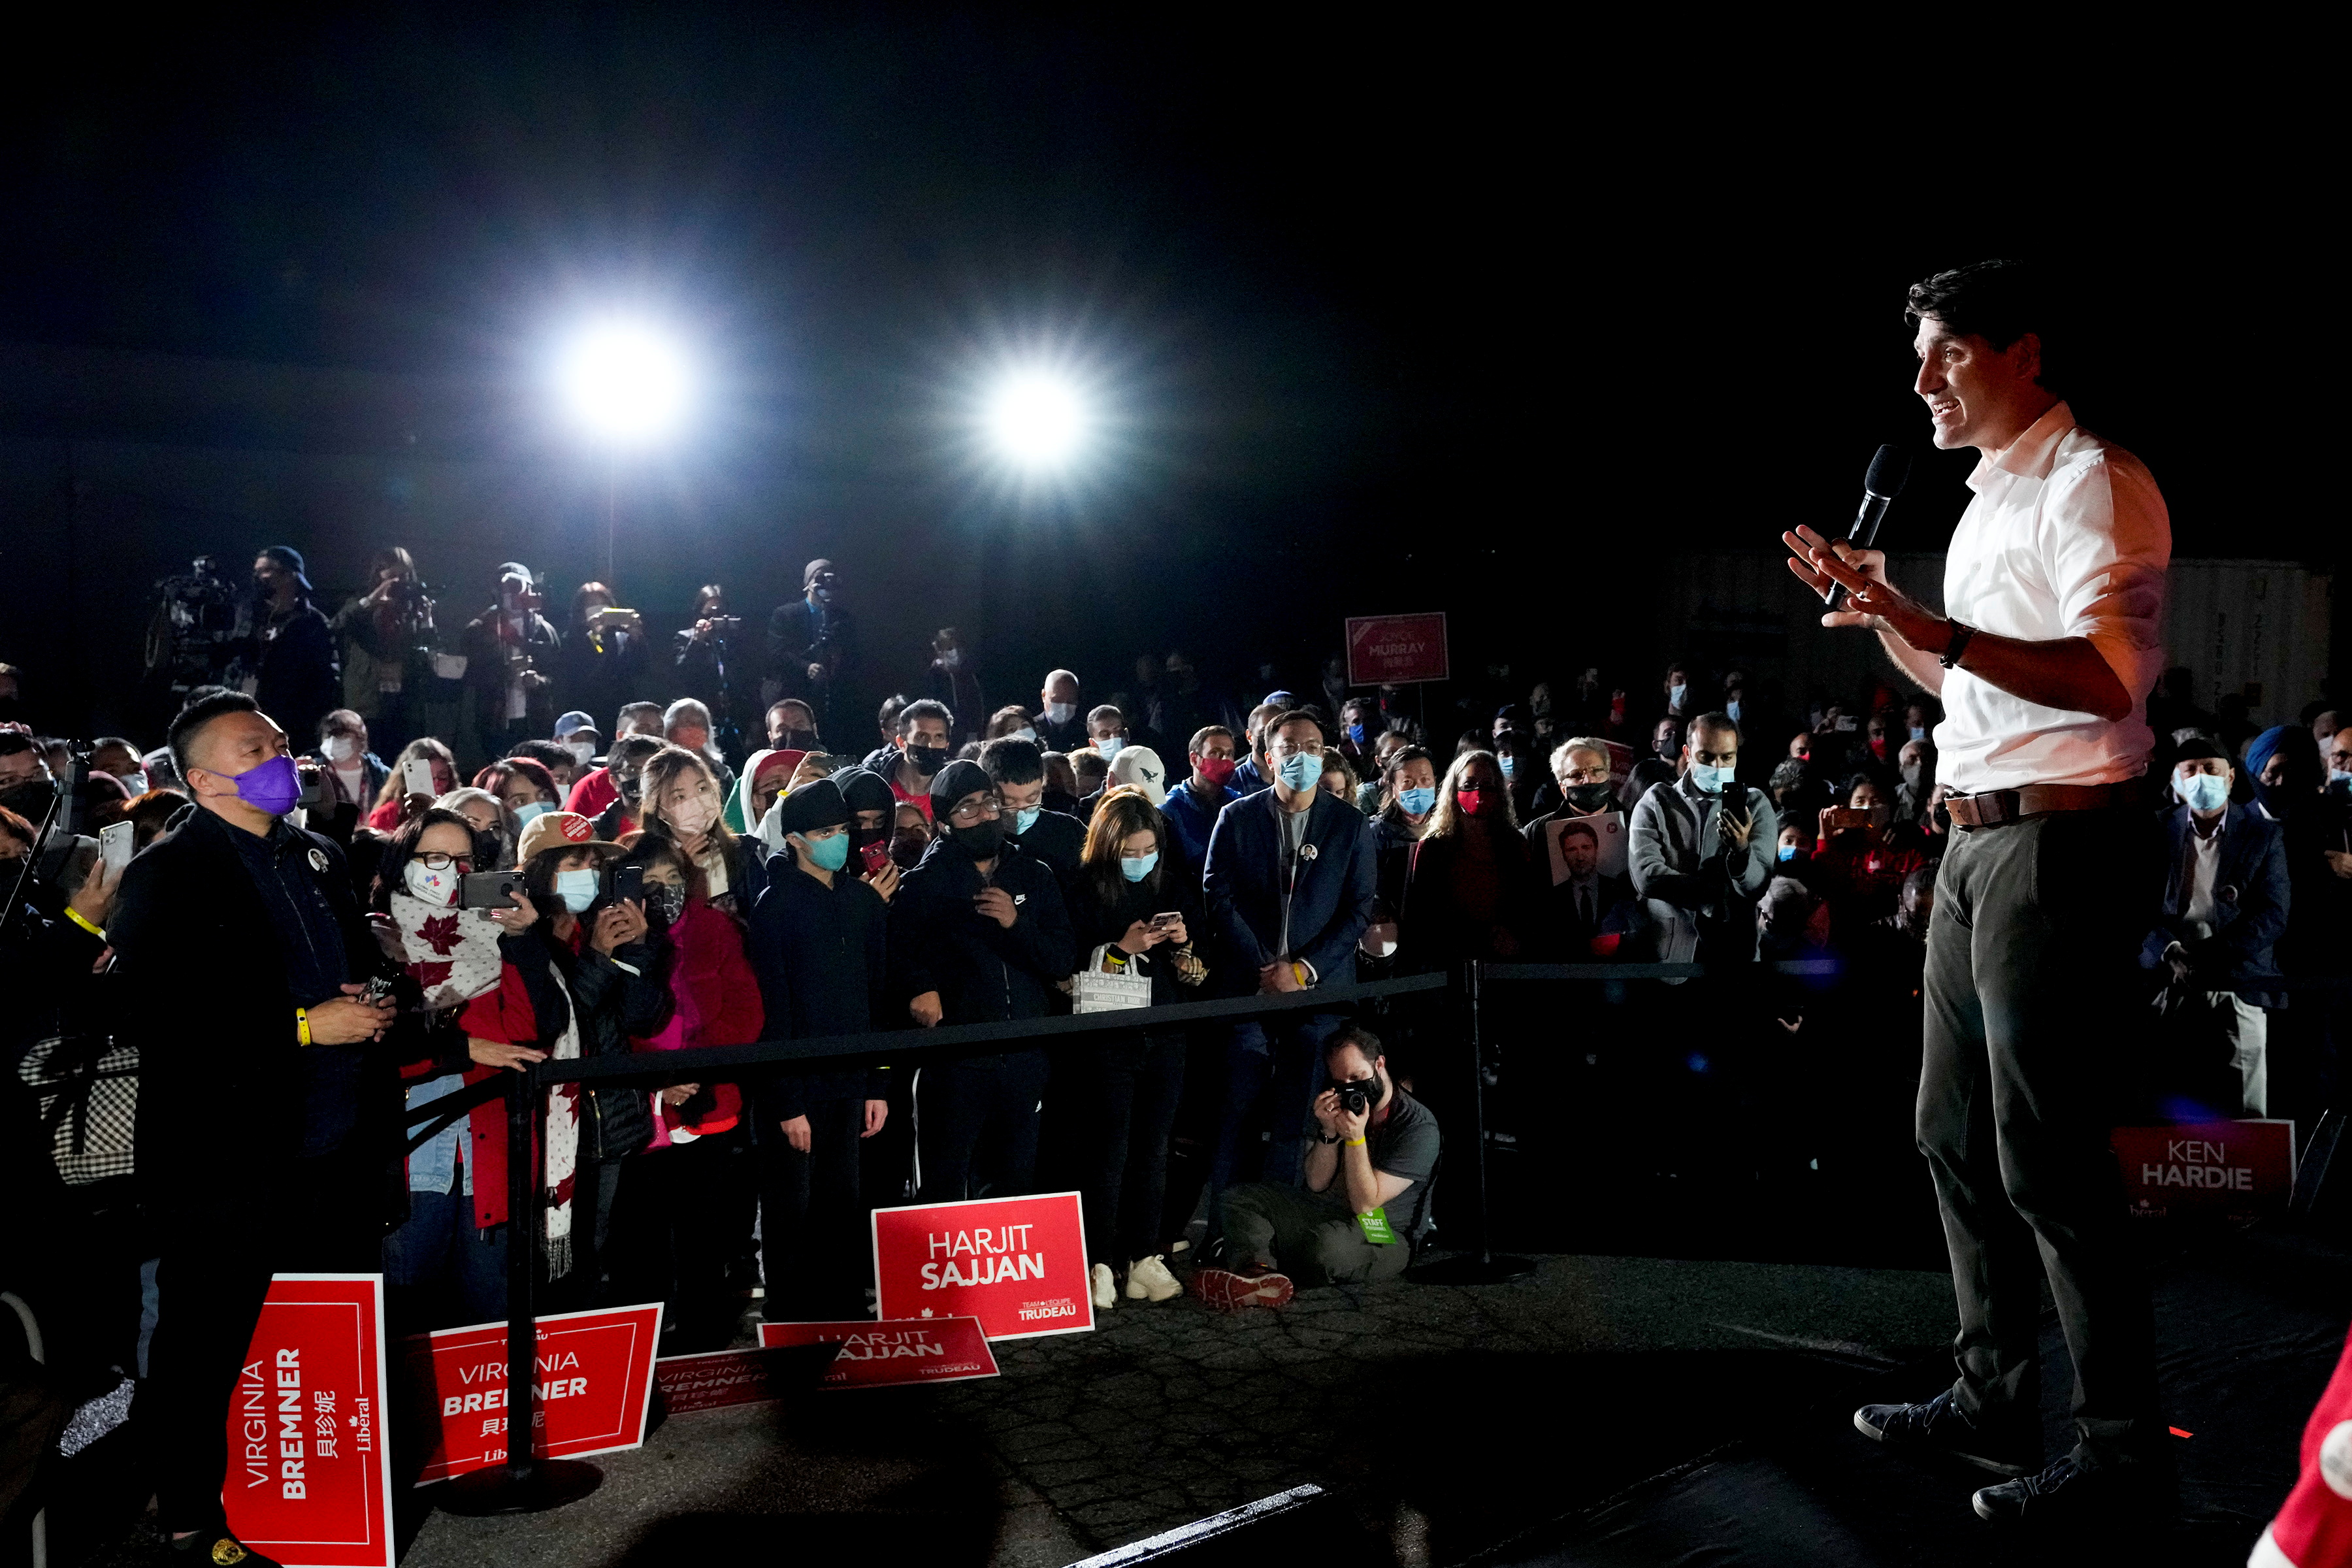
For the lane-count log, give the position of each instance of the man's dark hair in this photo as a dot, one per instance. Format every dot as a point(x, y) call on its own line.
point(1103, 711)
point(1354, 1035)
point(1999, 302)
point(1200, 737)
point(1716, 721)
point(926, 708)
point(195, 716)
point(886, 717)
point(621, 722)
point(632, 748)
point(14, 742)
point(546, 754)
point(1275, 724)
point(1010, 760)
point(1585, 828)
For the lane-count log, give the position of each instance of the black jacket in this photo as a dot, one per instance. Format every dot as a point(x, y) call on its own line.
point(1095, 921)
point(618, 997)
point(794, 644)
point(1058, 839)
point(600, 671)
point(486, 673)
point(204, 993)
point(298, 679)
point(1329, 892)
point(984, 973)
point(822, 955)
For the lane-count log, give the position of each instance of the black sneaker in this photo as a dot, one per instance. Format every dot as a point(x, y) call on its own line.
point(2010, 1446)
point(2066, 1493)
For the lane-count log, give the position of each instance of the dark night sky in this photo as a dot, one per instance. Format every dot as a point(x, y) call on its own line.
point(1358, 292)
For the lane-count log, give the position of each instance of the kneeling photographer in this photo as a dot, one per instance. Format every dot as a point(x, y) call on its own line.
point(1367, 1194)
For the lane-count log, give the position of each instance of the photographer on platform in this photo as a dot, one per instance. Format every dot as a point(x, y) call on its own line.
point(292, 655)
point(511, 653)
point(1366, 1199)
point(267, 1126)
point(812, 646)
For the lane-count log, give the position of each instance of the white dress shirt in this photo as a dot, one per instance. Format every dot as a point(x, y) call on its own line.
point(2067, 537)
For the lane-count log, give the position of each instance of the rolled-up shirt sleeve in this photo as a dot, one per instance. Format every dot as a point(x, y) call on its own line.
point(2107, 542)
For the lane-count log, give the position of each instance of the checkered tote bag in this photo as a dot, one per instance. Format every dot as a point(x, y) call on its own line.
point(87, 1087)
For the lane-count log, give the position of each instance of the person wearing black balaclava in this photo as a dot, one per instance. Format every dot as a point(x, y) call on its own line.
point(292, 657)
point(978, 935)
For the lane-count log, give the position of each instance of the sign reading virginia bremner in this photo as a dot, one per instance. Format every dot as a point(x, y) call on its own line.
point(1396, 650)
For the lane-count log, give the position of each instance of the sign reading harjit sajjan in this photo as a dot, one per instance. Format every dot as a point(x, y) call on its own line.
point(1019, 1265)
point(1396, 650)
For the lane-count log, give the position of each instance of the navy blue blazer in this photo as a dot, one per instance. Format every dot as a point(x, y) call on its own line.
point(1330, 899)
point(2250, 903)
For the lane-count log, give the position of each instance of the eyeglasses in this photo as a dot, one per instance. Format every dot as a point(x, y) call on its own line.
point(434, 860)
point(1289, 748)
point(978, 810)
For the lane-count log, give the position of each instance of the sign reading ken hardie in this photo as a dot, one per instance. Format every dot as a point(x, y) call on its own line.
point(2233, 1167)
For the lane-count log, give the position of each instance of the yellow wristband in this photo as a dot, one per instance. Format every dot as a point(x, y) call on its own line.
point(302, 1025)
point(1355, 1143)
point(82, 920)
point(1298, 973)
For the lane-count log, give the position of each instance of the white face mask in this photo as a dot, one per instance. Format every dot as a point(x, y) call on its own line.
point(582, 750)
point(438, 889)
point(341, 749)
point(1061, 712)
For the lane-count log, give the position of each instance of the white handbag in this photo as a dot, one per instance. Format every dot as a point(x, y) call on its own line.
point(1100, 987)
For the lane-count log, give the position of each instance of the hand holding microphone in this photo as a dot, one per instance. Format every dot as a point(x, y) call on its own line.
point(1850, 567)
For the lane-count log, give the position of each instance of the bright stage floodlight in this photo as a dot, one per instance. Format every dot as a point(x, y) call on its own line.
point(1035, 421)
point(626, 382)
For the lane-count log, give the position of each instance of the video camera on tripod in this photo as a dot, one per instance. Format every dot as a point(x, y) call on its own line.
point(193, 634)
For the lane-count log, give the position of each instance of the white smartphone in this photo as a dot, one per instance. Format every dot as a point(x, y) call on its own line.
point(114, 846)
point(416, 776)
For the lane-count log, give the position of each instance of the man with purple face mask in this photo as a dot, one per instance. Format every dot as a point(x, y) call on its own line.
point(267, 1114)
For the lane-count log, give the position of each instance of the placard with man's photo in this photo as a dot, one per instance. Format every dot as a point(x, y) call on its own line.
point(1574, 843)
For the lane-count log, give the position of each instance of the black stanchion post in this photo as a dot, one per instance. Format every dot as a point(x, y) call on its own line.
point(525, 1483)
point(1483, 1267)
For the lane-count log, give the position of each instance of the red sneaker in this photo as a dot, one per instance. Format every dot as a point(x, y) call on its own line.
point(1226, 1291)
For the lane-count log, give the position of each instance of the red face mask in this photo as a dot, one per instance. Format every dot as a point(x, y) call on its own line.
point(1218, 771)
point(1878, 747)
point(1473, 802)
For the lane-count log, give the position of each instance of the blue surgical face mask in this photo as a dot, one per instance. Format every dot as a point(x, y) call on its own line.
point(523, 813)
point(1417, 800)
point(1026, 818)
point(1135, 868)
point(2204, 791)
point(1674, 697)
point(577, 890)
point(1301, 770)
point(1109, 745)
point(830, 853)
point(1356, 734)
point(1024, 733)
point(1732, 708)
point(1710, 779)
point(1918, 731)
point(2341, 783)
point(1787, 852)
point(1510, 768)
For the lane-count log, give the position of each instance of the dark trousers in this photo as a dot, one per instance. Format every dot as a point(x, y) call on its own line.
point(978, 1114)
point(815, 1246)
point(1311, 1236)
point(439, 1269)
point(1275, 1065)
point(216, 1260)
point(1121, 1106)
point(2029, 975)
point(671, 1240)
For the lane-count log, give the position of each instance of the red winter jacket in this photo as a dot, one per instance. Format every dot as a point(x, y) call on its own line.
point(718, 1003)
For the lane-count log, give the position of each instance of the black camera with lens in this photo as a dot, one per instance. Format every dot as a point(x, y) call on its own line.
point(1358, 1096)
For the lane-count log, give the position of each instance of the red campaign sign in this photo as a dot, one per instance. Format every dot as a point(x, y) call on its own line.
point(900, 1351)
point(309, 1471)
point(596, 1372)
point(2215, 1167)
point(1396, 650)
point(720, 1378)
point(1019, 1265)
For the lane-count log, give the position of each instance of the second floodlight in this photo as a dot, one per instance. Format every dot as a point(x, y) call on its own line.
point(1037, 422)
point(627, 383)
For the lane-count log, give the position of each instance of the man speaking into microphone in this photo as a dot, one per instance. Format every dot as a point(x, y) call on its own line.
point(2050, 642)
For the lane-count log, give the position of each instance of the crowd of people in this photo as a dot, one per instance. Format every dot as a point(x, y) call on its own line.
point(223, 1034)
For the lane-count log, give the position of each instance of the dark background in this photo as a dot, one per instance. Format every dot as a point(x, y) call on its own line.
point(1467, 316)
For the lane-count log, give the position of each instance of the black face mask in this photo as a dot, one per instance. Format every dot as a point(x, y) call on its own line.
point(665, 901)
point(906, 848)
point(928, 759)
point(1589, 796)
point(795, 741)
point(30, 799)
point(981, 840)
point(631, 787)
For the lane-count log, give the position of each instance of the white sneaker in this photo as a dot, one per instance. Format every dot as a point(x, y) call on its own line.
point(1106, 1288)
point(1148, 1279)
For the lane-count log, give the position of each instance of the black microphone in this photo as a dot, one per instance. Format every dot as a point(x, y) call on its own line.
point(1889, 472)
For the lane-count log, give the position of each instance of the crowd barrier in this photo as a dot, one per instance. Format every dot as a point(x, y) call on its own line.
point(527, 1483)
